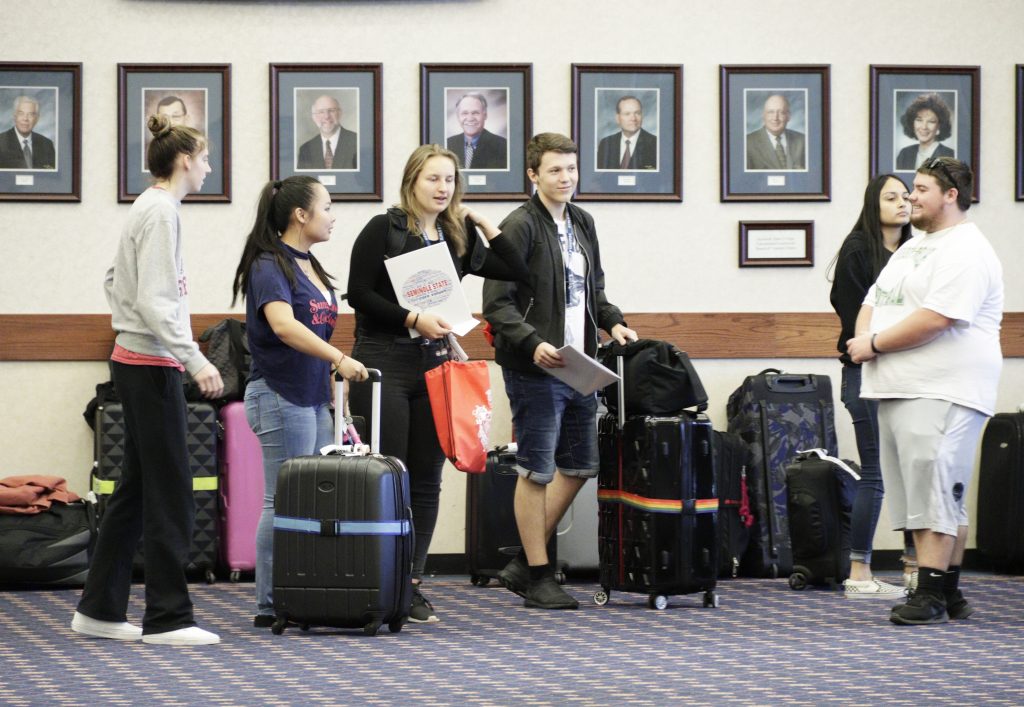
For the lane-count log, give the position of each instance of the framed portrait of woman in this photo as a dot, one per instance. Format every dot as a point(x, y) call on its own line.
point(919, 113)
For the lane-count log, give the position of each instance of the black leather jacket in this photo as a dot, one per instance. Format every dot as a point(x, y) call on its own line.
point(523, 317)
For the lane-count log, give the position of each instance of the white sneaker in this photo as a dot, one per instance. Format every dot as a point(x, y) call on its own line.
point(872, 589)
point(118, 630)
point(191, 636)
point(910, 580)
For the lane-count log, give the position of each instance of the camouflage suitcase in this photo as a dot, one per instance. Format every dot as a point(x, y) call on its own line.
point(778, 414)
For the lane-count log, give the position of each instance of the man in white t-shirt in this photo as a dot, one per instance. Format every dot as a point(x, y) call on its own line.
point(928, 333)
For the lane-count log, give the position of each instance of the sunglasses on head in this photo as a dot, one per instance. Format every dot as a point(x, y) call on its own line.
point(937, 163)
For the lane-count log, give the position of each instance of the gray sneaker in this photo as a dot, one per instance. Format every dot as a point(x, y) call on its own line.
point(421, 611)
point(516, 576)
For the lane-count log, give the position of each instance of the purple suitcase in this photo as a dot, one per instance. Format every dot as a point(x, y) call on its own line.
point(241, 489)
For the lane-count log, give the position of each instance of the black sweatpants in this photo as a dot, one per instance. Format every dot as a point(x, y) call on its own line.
point(153, 499)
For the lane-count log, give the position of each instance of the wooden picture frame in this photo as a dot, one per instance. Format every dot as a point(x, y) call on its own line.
point(776, 244)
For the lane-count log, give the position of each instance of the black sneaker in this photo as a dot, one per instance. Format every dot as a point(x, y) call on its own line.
point(545, 593)
point(957, 607)
point(920, 609)
point(516, 576)
point(421, 611)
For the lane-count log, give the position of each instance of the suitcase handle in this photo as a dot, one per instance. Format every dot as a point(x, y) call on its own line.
point(791, 383)
point(339, 413)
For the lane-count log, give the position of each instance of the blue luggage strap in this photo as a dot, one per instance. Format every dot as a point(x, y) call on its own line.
point(332, 528)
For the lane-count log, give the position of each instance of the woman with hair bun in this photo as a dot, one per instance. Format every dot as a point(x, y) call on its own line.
point(290, 313)
point(147, 290)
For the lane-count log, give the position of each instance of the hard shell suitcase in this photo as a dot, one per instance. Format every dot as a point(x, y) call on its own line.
point(241, 489)
point(820, 491)
point(49, 548)
point(492, 536)
point(201, 438)
point(777, 414)
point(732, 461)
point(657, 504)
point(343, 535)
point(1001, 492)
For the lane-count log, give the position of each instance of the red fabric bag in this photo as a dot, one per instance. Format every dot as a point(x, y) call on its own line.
point(460, 398)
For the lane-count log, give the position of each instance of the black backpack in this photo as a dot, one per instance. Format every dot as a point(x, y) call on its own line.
point(228, 350)
point(660, 380)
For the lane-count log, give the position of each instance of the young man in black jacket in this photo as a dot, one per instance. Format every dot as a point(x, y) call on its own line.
point(564, 305)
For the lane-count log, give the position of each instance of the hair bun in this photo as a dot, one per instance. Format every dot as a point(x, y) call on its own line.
point(159, 125)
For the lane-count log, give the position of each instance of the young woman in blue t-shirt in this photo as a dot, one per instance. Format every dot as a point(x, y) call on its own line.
point(290, 313)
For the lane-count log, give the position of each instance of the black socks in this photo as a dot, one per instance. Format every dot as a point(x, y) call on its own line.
point(951, 582)
point(537, 572)
point(931, 581)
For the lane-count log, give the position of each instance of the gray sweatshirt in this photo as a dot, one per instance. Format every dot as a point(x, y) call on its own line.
point(146, 286)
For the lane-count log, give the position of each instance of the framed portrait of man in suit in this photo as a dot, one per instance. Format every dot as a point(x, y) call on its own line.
point(196, 95)
point(40, 131)
point(482, 113)
point(325, 122)
point(775, 133)
point(919, 113)
point(627, 122)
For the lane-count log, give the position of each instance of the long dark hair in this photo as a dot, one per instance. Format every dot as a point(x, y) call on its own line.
point(869, 223)
point(278, 200)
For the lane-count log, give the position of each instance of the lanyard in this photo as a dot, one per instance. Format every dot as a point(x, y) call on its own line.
point(440, 236)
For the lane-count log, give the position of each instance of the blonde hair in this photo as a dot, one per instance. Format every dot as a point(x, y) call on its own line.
point(454, 228)
point(169, 141)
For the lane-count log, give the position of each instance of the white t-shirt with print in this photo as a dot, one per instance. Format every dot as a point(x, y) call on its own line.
point(956, 273)
point(574, 265)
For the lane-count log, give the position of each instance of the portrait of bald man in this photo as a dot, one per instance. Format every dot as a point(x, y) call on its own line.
point(21, 147)
point(334, 146)
point(773, 146)
point(476, 147)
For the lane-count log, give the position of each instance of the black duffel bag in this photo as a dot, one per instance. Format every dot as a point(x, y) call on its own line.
point(52, 547)
point(660, 380)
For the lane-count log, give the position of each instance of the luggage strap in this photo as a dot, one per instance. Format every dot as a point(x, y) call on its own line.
point(332, 527)
point(689, 506)
point(105, 487)
point(824, 456)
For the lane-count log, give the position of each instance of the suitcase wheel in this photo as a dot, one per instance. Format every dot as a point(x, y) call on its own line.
point(798, 581)
point(371, 628)
point(235, 575)
point(710, 600)
point(657, 601)
point(479, 580)
point(601, 597)
point(279, 626)
point(211, 578)
point(560, 577)
point(396, 625)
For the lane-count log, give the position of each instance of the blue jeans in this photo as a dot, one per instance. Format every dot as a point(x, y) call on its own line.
point(867, 504)
point(555, 426)
point(285, 431)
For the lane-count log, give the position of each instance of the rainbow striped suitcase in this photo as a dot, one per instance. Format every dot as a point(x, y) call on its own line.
point(658, 508)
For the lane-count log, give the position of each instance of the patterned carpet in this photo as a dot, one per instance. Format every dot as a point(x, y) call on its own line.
point(765, 645)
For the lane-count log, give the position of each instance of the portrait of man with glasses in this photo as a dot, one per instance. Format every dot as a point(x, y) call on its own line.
point(334, 147)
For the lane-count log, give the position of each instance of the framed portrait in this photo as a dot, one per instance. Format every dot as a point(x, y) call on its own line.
point(922, 112)
point(1020, 133)
point(776, 243)
point(627, 120)
point(196, 95)
point(482, 113)
point(325, 122)
point(40, 131)
point(775, 133)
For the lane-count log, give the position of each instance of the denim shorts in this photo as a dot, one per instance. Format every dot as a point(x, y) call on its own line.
point(555, 426)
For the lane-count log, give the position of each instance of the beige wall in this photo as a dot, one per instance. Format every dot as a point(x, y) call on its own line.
point(658, 257)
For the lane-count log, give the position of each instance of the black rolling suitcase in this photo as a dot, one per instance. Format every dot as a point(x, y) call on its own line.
point(492, 537)
point(777, 414)
point(1001, 492)
point(202, 455)
point(657, 506)
point(820, 490)
point(343, 536)
point(732, 460)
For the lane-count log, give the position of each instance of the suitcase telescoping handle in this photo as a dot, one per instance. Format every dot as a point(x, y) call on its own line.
point(620, 366)
point(339, 413)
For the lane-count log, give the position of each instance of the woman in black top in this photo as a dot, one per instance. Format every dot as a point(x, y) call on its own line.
point(431, 213)
point(883, 226)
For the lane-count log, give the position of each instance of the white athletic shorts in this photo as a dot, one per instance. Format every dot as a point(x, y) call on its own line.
point(927, 451)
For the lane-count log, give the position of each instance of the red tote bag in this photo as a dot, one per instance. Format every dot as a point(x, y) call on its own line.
point(460, 398)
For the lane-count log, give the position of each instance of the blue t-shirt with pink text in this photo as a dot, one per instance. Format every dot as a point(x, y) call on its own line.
point(299, 378)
